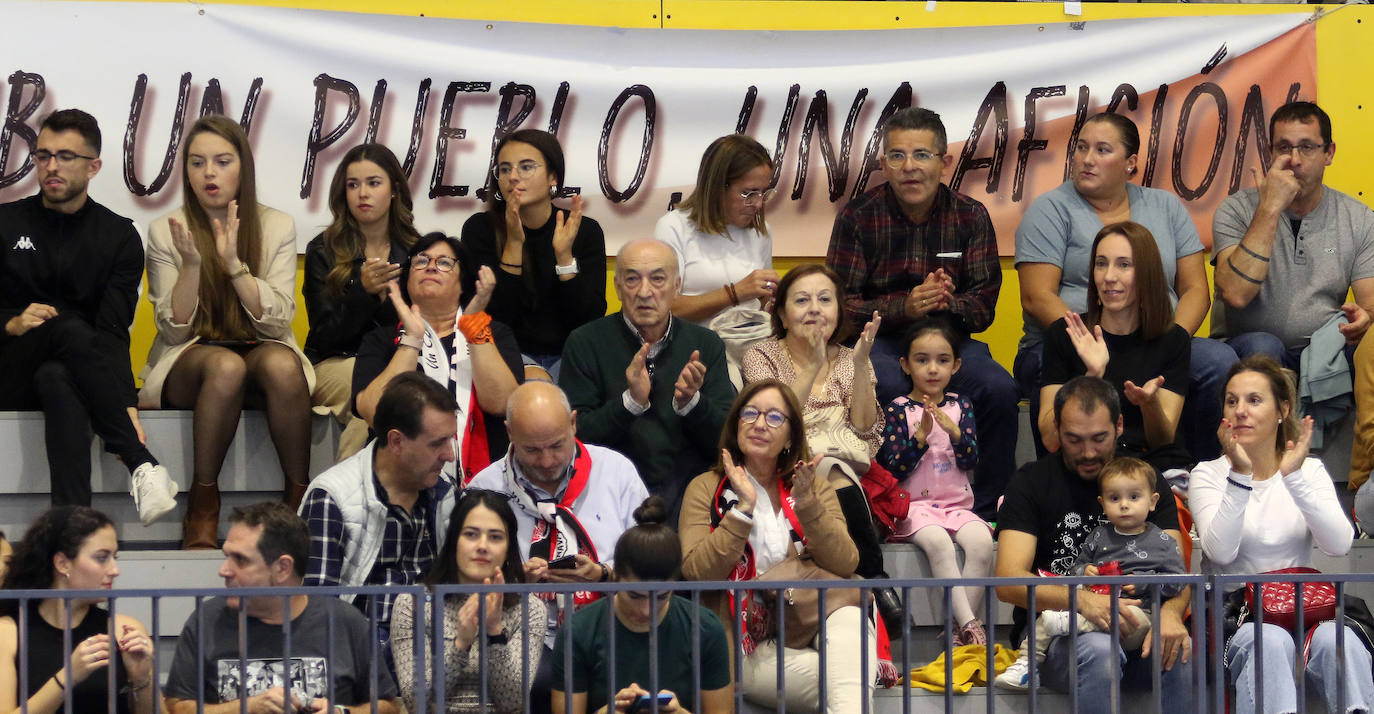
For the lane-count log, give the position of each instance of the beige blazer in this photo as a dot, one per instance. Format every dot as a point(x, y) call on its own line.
point(276, 290)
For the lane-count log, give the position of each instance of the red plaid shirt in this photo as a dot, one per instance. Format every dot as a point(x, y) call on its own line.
point(881, 254)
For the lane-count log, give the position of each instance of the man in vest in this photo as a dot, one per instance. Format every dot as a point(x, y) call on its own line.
point(379, 516)
point(571, 501)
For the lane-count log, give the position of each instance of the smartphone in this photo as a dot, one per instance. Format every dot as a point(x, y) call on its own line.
point(567, 562)
point(641, 703)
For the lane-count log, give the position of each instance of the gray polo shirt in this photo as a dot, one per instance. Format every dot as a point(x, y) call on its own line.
point(1309, 274)
point(1059, 228)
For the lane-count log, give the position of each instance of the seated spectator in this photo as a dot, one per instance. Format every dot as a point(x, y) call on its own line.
point(1050, 509)
point(840, 407)
point(66, 303)
point(571, 500)
point(71, 548)
point(266, 548)
point(648, 553)
point(550, 264)
point(1128, 544)
point(478, 549)
point(1261, 507)
point(1052, 241)
point(930, 442)
point(731, 529)
point(910, 248)
point(724, 252)
point(347, 269)
point(649, 386)
point(222, 281)
point(378, 517)
point(467, 352)
point(1129, 338)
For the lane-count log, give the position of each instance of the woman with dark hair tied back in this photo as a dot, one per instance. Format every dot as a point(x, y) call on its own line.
point(222, 281)
point(1052, 243)
point(477, 550)
point(347, 269)
point(649, 553)
point(71, 548)
point(550, 264)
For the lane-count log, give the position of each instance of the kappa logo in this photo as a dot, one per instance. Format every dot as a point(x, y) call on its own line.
point(24, 243)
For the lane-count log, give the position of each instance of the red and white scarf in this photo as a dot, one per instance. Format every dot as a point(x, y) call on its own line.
point(557, 532)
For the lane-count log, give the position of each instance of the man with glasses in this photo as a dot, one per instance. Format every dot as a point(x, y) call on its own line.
point(571, 502)
point(912, 248)
point(69, 276)
point(647, 384)
point(1288, 250)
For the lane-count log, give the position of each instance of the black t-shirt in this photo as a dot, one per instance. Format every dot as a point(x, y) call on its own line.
point(1060, 509)
point(1133, 358)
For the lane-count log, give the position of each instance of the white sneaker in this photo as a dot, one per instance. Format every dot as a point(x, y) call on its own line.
point(153, 490)
point(1016, 678)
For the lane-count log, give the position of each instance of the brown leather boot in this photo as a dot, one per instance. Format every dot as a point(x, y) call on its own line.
point(201, 527)
point(294, 494)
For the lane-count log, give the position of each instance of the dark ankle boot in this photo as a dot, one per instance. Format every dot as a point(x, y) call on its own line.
point(890, 607)
point(201, 527)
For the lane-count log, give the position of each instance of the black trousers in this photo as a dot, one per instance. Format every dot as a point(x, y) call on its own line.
point(58, 367)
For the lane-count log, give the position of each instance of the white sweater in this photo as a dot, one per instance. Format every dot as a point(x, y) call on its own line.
point(1249, 526)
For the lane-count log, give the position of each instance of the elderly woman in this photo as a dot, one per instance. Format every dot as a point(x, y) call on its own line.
point(463, 349)
point(748, 515)
point(1052, 243)
point(1261, 507)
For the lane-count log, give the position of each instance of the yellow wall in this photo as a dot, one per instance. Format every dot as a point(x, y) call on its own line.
point(1345, 51)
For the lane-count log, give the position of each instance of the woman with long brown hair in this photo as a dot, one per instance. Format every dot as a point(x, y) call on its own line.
point(222, 279)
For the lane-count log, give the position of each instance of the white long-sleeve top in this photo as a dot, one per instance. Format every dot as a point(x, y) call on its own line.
point(1248, 526)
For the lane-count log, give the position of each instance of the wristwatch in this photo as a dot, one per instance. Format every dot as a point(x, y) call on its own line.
point(566, 269)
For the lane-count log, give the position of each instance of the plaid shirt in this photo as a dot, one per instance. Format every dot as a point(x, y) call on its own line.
point(881, 254)
point(407, 545)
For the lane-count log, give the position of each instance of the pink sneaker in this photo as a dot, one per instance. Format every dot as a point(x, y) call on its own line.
point(973, 634)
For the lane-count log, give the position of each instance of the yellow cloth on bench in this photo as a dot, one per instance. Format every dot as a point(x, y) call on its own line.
point(970, 668)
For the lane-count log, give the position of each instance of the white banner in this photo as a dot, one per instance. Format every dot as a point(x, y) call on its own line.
point(633, 108)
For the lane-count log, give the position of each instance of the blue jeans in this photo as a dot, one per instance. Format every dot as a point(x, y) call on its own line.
point(994, 396)
point(1209, 362)
point(1323, 674)
point(551, 364)
point(1251, 343)
point(1096, 672)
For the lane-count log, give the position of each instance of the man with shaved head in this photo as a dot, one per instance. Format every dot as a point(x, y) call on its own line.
point(571, 500)
point(650, 386)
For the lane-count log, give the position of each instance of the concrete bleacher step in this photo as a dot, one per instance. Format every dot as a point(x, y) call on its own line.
point(251, 472)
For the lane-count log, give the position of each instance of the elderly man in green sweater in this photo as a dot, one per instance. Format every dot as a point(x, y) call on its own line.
point(650, 386)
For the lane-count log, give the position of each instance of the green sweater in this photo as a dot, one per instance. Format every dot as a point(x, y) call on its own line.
point(667, 449)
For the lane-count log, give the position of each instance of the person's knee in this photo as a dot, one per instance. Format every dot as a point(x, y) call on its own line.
point(1211, 360)
point(279, 371)
point(52, 377)
point(69, 333)
point(1264, 343)
point(1095, 656)
point(224, 371)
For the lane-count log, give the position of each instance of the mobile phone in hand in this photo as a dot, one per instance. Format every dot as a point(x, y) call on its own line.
point(567, 562)
point(641, 703)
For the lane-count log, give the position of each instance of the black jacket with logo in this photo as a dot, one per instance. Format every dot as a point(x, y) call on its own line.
point(88, 264)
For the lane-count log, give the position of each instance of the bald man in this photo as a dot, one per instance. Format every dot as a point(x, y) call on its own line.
point(650, 386)
point(571, 500)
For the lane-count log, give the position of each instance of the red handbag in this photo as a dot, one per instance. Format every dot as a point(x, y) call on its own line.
point(1278, 600)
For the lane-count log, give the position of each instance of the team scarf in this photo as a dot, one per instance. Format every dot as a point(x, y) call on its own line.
point(455, 373)
point(755, 617)
point(557, 532)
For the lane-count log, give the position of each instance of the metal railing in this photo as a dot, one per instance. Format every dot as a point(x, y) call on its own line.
point(1208, 676)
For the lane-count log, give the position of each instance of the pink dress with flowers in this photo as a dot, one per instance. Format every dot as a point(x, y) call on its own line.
point(935, 475)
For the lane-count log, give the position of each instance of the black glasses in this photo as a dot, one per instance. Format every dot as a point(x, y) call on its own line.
point(442, 263)
point(773, 417)
point(64, 157)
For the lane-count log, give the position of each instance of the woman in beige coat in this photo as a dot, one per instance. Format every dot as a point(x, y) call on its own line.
point(221, 277)
point(760, 506)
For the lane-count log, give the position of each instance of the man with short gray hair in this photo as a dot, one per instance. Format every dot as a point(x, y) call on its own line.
point(650, 386)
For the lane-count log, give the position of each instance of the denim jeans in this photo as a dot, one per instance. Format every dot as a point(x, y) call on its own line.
point(1323, 673)
point(994, 395)
point(1096, 672)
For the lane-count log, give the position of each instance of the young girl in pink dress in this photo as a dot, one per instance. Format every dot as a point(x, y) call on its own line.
point(930, 444)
